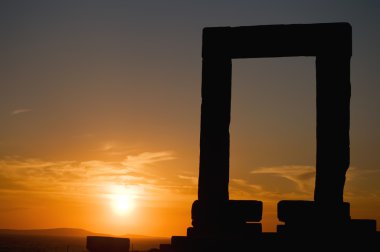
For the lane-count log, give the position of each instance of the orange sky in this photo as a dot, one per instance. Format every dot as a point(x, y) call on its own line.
point(100, 103)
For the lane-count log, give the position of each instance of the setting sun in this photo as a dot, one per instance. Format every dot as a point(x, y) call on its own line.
point(101, 118)
point(122, 200)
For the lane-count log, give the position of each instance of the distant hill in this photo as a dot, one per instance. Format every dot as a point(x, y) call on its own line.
point(65, 236)
point(69, 232)
point(50, 232)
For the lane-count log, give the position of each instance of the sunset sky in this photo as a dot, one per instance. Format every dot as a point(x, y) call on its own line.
point(100, 112)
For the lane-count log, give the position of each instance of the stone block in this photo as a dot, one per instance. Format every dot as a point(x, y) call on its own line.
point(277, 40)
point(227, 212)
point(309, 211)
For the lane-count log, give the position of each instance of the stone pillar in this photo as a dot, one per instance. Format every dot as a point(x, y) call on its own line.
point(333, 125)
point(215, 135)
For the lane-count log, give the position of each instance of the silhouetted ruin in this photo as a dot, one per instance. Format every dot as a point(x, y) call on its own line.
point(331, 45)
point(221, 224)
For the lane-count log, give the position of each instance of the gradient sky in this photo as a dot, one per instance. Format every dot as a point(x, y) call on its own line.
point(102, 98)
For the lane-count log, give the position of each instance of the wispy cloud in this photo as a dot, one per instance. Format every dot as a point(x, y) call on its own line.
point(192, 179)
point(243, 189)
point(297, 182)
point(20, 111)
point(147, 158)
point(301, 175)
point(78, 178)
point(354, 173)
point(144, 174)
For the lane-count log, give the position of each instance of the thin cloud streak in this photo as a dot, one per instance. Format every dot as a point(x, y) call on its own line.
point(147, 158)
point(143, 174)
point(301, 175)
point(303, 179)
point(88, 177)
point(20, 111)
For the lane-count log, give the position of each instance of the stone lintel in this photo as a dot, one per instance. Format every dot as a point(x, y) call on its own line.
point(277, 40)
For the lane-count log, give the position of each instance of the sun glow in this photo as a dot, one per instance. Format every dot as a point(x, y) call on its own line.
point(122, 200)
